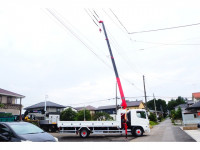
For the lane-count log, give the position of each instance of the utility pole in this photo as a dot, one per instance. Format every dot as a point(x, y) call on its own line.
point(116, 102)
point(155, 106)
point(84, 114)
point(145, 96)
point(45, 105)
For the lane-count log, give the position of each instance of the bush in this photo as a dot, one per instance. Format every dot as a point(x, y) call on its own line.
point(80, 115)
point(152, 117)
point(102, 116)
point(68, 115)
point(1, 105)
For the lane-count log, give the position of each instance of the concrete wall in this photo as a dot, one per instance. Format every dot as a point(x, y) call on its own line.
point(13, 111)
point(190, 119)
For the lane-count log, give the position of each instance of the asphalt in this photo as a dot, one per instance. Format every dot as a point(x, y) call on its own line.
point(195, 134)
point(165, 132)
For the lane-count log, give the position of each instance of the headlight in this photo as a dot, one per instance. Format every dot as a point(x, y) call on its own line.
point(56, 139)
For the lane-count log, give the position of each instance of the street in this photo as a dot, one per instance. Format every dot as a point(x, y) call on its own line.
point(164, 132)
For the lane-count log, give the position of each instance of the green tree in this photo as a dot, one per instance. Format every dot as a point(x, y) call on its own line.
point(152, 117)
point(80, 115)
point(160, 106)
point(173, 103)
point(178, 113)
point(68, 115)
point(102, 116)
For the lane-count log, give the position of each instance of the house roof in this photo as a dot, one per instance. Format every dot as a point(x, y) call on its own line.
point(129, 104)
point(9, 93)
point(42, 104)
point(195, 105)
point(133, 103)
point(196, 95)
point(182, 106)
point(190, 102)
point(106, 107)
point(89, 107)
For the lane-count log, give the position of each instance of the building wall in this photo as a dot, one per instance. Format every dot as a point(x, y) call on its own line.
point(141, 106)
point(190, 118)
point(13, 111)
point(4, 100)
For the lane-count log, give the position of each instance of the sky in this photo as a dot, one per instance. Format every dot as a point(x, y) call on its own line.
point(70, 62)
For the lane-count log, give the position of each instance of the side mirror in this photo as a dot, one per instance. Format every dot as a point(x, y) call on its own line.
point(5, 136)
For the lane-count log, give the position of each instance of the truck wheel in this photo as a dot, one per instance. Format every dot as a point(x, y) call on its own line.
point(137, 131)
point(84, 133)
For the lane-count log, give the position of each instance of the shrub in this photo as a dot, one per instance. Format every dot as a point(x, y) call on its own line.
point(152, 117)
point(102, 116)
point(68, 115)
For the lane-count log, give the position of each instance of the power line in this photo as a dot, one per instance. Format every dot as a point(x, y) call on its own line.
point(166, 43)
point(169, 28)
point(91, 18)
point(119, 21)
point(74, 34)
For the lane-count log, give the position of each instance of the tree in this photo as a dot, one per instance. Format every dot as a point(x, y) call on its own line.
point(173, 103)
point(80, 115)
point(102, 116)
point(178, 113)
point(68, 115)
point(160, 106)
point(152, 117)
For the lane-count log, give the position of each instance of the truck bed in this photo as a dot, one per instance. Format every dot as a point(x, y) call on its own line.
point(89, 124)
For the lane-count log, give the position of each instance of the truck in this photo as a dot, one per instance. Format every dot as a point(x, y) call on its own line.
point(49, 124)
point(137, 123)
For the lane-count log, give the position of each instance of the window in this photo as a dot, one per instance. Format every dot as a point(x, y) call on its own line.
point(195, 115)
point(0, 99)
point(3, 129)
point(141, 114)
point(9, 100)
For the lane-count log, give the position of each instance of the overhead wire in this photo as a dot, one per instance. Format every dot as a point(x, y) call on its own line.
point(121, 75)
point(161, 29)
point(119, 21)
point(75, 35)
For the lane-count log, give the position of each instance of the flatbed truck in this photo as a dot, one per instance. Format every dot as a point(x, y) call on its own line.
point(137, 123)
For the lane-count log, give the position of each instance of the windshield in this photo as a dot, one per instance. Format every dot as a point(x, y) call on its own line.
point(25, 129)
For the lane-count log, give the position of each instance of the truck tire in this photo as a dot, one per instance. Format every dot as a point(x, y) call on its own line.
point(137, 131)
point(84, 133)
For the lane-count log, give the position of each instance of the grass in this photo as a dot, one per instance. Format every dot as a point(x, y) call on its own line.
point(152, 123)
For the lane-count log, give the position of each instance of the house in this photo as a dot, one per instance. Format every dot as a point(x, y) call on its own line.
point(191, 116)
point(196, 97)
point(135, 104)
point(89, 107)
point(182, 106)
point(10, 102)
point(111, 109)
point(51, 108)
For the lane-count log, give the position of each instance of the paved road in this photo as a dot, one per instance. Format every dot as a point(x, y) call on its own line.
point(165, 132)
point(92, 138)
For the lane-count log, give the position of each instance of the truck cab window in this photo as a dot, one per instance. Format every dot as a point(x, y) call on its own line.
point(141, 114)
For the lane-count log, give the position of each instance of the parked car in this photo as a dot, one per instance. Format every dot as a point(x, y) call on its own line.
point(23, 132)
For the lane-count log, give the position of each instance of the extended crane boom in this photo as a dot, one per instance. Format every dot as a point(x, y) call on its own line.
point(124, 105)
